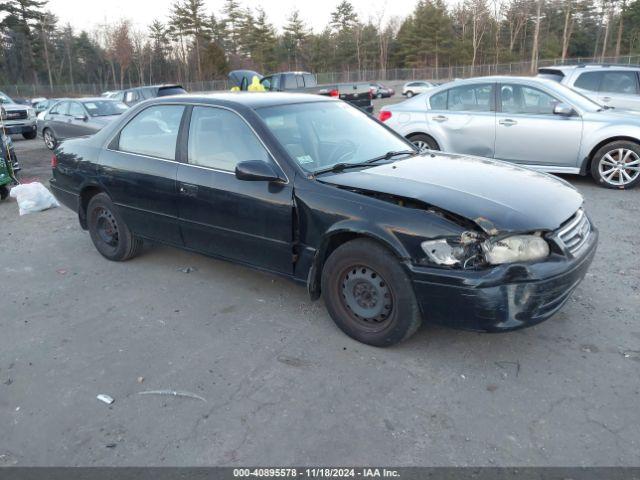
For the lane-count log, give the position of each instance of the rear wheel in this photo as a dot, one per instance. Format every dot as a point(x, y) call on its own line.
point(49, 139)
point(369, 295)
point(30, 135)
point(617, 165)
point(110, 235)
point(424, 142)
point(378, 95)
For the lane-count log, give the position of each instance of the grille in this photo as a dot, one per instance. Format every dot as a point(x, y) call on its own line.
point(573, 235)
point(16, 115)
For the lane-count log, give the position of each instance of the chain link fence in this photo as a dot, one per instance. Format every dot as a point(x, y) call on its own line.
point(396, 74)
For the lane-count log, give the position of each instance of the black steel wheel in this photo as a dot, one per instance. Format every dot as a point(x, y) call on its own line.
point(369, 295)
point(109, 233)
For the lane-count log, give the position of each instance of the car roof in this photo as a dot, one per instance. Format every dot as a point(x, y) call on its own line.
point(500, 79)
point(93, 99)
point(590, 66)
point(248, 99)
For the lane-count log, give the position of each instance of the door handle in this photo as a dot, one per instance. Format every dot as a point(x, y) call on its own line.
point(606, 99)
point(439, 118)
point(507, 122)
point(188, 189)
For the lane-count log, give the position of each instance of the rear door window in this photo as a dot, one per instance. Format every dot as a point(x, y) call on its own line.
point(153, 132)
point(439, 101)
point(589, 81)
point(60, 108)
point(470, 98)
point(620, 82)
point(289, 81)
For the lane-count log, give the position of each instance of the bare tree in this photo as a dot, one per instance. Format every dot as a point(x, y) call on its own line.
point(623, 8)
point(567, 31)
point(536, 37)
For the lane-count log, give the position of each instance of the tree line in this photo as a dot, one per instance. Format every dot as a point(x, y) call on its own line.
point(191, 44)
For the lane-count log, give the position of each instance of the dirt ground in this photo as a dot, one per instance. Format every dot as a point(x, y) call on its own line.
point(281, 384)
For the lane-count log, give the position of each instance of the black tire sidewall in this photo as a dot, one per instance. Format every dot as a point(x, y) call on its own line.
point(125, 238)
point(405, 318)
point(30, 135)
point(599, 155)
point(4, 192)
point(427, 139)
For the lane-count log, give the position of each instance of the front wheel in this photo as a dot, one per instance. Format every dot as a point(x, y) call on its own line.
point(409, 94)
point(110, 235)
point(4, 192)
point(30, 135)
point(617, 165)
point(369, 295)
point(378, 95)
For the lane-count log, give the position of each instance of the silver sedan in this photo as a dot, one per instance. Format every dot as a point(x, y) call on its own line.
point(530, 121)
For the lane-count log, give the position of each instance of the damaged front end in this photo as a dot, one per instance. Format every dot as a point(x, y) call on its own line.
point(472, 250)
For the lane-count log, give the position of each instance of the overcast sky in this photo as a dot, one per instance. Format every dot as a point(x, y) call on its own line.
point(86, 14)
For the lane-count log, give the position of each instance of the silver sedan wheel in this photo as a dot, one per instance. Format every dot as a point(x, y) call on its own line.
point(422, 145)
point(49, 141)
point(619, 167)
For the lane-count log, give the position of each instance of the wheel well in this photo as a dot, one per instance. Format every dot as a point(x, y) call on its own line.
point(335, 241)
point(426, 135)
point(86, 195)
point(589, 159)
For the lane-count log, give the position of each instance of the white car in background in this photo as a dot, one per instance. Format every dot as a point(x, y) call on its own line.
point(414, 88)
point(616, 86)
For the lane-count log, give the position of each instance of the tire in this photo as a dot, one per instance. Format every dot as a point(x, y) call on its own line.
point(378, 95)
point(617, 165)
point(355, 278)
point(109, 233)
point(409, 94)
point(30, 135)
point(424, 142)
point(4, 192)
point(49, 138)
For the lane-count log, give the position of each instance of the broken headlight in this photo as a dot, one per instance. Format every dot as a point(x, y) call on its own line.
point(463, 251)
point(518, 248)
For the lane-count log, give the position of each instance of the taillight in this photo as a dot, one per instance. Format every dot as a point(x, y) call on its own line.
point(54, 161)
point(384, 115)
point(334, 93)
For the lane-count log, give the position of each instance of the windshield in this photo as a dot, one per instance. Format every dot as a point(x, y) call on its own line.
point(102, 108)
point(4, 98)
point(320, 135)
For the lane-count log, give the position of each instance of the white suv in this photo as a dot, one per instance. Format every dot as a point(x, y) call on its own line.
point(414, 88)
point(611, 85)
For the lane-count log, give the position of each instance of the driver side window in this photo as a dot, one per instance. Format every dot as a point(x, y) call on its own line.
point(220, 139)
point(526, 100)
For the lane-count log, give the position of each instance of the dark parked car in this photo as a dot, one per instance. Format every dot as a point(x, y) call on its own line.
point(318, 191)
point(131, 96)
point(379, 90)
point(75, 118)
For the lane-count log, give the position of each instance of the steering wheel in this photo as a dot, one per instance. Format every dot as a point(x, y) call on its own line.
point(343, 150)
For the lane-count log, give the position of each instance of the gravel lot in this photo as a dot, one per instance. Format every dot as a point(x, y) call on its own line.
point(282, 384)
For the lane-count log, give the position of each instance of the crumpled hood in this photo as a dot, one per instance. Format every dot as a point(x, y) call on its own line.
point(498, 196)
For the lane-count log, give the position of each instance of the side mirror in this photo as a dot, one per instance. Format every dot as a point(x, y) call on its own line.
point(563, 109)
point(257, 170)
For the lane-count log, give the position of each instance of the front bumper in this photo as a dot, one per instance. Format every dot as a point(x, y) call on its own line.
point(19, 128)
point(503, 298)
